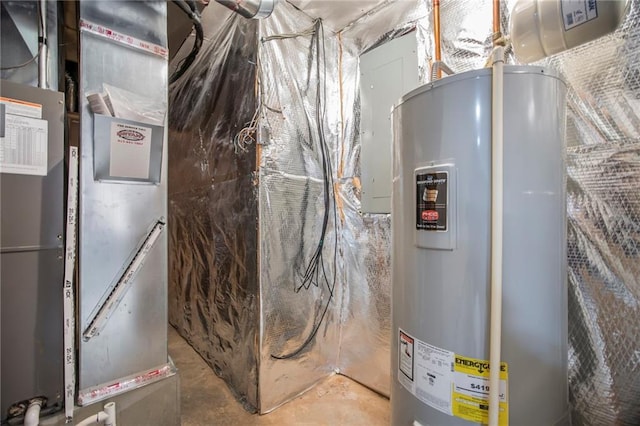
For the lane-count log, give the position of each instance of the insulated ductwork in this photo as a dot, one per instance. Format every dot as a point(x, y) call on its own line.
point(256, 9)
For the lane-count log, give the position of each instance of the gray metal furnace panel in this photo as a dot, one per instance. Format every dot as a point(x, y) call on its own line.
point(114, 217)
point(155, 404)
point(386, 73)
point(31, 264)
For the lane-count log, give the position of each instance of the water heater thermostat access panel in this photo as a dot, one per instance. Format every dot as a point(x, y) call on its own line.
point(435, 206)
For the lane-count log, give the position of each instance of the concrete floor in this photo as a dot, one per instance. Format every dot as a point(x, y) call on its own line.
point(206, 400)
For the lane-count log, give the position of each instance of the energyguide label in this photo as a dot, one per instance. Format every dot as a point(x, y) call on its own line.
point(448, 382)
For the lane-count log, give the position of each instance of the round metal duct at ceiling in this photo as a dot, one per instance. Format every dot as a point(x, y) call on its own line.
point(256, 9)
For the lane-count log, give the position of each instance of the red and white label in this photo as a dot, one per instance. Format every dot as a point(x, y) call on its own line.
point(430, 215)
point(96, 394)
point(99, 30)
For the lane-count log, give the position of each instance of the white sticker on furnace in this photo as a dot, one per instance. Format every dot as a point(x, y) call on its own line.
point(130, 151)
point(432, 372)
point(23, 149)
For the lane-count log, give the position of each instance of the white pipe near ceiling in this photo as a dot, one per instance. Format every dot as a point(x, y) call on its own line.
point(42, 44)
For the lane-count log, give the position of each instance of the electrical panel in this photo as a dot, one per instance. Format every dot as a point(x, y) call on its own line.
point(386, 73)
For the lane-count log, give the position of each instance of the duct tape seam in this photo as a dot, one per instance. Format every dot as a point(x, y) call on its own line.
point(136, 43)
point(68, 288)
point(107, 390)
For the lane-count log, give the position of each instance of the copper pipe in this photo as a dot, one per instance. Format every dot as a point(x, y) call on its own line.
point(436, 31)
point(342, 135)
point(497, 34)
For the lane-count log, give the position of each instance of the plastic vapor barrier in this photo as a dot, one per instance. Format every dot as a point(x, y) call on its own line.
point(213, 286)
point(241, 309)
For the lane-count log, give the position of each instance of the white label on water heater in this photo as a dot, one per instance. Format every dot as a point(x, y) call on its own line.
point(451, 383)
point(406, 355)
point(576, 12)
point(432, 372)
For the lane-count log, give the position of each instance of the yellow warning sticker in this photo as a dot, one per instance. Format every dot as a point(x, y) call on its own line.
point(470, 393)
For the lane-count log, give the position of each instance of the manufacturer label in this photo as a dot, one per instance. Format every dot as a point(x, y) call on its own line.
point(433, 373)
point(577, 12)
point(23, 108)
point(470, 398)
point(431, 201)
point(130, 151)
point(406, 355)
point(453, 384)
point(24, 146)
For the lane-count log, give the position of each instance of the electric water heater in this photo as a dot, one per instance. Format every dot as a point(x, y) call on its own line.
point(441, 221)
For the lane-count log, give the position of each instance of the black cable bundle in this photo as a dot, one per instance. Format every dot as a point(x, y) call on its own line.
point(315, 272)
point(189, 7)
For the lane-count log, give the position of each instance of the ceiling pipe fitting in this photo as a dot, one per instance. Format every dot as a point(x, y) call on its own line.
point(42, 45)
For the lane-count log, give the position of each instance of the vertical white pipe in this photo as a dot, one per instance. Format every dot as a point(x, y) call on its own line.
point(108, 416)
point(42, 45)
point(495, 336)
point(32, 416)
point(110, 409)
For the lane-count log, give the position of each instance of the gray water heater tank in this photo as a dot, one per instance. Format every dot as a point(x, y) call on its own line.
point(441, 252)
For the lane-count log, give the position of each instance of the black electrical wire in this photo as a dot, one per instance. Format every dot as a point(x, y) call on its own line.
point(191, 4)
point(190, 9)
point(316, 271)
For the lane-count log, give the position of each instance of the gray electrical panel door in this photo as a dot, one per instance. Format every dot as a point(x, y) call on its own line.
point(32, 220)
point(386, 73)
